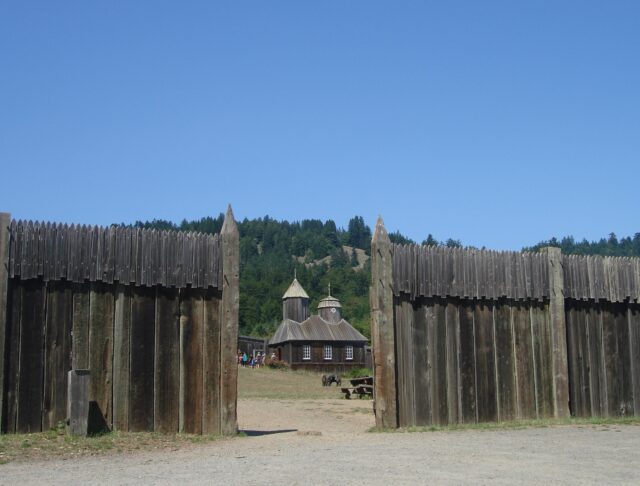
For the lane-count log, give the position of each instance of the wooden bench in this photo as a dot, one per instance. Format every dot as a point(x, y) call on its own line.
point(362, 386)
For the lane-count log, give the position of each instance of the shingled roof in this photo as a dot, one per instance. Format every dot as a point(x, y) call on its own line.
point(295, 290)
point(316, 329)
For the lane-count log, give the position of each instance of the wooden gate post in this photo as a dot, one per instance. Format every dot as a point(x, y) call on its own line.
point(229, 324)
point(559, 361)
point(78, 402)
point(382, 329)
point(5, 220)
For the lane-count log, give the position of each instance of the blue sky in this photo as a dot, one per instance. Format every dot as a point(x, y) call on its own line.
point(497, 123)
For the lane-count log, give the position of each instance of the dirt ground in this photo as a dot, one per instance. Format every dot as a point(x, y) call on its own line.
point(326, 442)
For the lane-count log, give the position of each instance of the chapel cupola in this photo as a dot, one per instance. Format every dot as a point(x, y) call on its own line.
point(295, 303)
point(329, 308)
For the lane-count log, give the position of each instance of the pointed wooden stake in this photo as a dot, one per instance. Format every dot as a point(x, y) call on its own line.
point(229, 324)
point(5, 221)
point(382, 332)
point(559, 363)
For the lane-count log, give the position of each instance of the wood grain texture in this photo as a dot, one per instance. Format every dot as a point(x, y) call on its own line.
point(211, 421)
point(122, 357)
point(29, 407)
point(191, 360)
point(167, 361)
point(141, 381)
point(230, 245)
point(101, 312)
point(5, 236)
point(57, 357)
point(382, 329)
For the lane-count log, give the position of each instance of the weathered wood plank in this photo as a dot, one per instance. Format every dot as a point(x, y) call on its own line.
point(29, 413)
point(211, 424)
point(80, 331)
point(487, 405)
point(526, 391)
point(78, 402)
point(467, 364)
point(167, 367)
point(422, 369)
point(439, 364)
point(229, 329)
point(14, 317)
point(452, 338)
point(5, 240)
point(505, 361)
point(633, 316)
point(141, 381)
point(57, 360)
point(122, 357)
point(541, 327)
point(101, 311)
point(191, 347)
point(625, 405)
point(558, 333)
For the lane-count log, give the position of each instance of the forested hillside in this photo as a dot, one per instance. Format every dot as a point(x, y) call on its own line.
point(270, 252)
point(321, 253)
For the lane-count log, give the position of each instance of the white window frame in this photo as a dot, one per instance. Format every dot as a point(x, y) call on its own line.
point(328, 352)
point(306, 352)
point(348, 353)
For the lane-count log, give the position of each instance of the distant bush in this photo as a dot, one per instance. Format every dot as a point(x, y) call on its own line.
point(358, 373)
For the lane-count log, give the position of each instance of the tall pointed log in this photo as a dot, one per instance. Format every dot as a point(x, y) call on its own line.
point(382, 332)
point(229, 324)
point(559, 363)
point(5, 220)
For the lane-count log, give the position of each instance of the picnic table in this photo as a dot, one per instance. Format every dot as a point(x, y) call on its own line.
point(363, 387)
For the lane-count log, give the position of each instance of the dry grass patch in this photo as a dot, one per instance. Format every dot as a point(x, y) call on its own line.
point(55, 444)
point(283, 385)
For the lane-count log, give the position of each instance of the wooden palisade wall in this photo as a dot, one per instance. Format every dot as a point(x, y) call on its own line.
point(149, 313)
point(465, 335)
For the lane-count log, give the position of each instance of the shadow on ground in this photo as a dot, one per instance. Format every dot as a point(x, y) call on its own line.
point(258, 433)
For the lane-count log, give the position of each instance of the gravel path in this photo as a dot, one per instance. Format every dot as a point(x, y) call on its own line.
point(324, 442)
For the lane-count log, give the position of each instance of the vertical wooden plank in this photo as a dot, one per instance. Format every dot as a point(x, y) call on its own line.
point(78, 401)
point(211, 373)
point(5, 238)
point(558, 333)
point(122, 357)
point(410, 354)
point(439, 364)
point(402, 361)
point(57, 360)
point(29, 416)
point(101, 312)
point(141, 381)
point(191, 360)
point(595, 363)
point(229, 330)
point(422, 369)
point(486, 389)
point(14, 317)
point(543, 359)
point(633, 316)
point(526, 391)
point(452, 331)
point(80, 331)
point(625, 405)
point(612, 376)
point(505, 361)
point(467, 364)
point(167, 367)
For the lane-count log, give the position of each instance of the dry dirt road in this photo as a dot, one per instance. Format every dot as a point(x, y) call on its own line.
point(325, 442)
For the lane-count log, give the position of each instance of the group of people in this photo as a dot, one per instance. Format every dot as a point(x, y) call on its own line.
point(255, 361)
